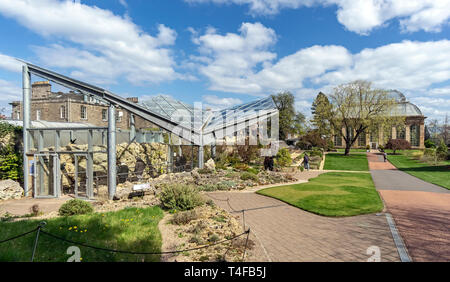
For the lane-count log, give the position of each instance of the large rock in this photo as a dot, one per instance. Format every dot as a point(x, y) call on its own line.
point(9, 189)
point(210, 165)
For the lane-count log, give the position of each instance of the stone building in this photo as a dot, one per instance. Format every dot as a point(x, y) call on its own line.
point(73, 107)
point(413, 130)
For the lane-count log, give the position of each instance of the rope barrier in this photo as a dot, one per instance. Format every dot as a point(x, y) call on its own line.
point(39, 231)
point(142, 253)
point(19, 236)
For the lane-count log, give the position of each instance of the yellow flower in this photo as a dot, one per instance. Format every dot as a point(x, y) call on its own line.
point(70, 228)
point(81, 259)
point(75, 227)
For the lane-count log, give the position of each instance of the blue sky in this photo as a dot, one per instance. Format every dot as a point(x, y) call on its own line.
point(223, 52)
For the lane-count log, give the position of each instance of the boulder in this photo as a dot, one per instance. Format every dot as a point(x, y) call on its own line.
point(10, 189)
point(210, 165)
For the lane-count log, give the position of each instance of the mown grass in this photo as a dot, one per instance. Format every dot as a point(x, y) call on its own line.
point(130, 229)
point(331, 194)
point(355, 162)
point(436, 174)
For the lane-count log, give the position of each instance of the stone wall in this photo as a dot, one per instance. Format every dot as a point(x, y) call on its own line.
point(152, 156)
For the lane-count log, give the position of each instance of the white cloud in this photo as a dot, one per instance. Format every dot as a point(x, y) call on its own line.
point(229, 64)
point(10, 64)
point(406, 65)
point(228, 59)
point(362, 16)
point(97, 34)
point(9, 91)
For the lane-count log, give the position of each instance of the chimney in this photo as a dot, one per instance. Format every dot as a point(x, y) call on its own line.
point(41, 90)
point(133, 99)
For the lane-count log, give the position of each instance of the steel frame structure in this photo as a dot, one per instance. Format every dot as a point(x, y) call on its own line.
point(191, 134)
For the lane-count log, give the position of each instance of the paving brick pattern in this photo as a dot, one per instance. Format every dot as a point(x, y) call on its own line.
point(288, 233)
point(421, 211)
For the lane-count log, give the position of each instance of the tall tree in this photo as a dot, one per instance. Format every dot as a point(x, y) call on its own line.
point(321, 110)
point(285, 105)
point(357, 107)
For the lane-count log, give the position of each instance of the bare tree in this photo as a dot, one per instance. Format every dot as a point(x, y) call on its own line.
point(359, 107)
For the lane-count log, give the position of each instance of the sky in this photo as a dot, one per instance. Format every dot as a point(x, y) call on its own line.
point(226, 52)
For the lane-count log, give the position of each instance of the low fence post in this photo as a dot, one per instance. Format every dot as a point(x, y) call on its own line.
point(42, 224)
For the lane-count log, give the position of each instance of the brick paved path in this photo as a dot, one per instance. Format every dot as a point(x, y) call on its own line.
point(421, 210)
point(287, 233)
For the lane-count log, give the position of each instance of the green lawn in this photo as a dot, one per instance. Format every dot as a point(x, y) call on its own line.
point(336, 161)
point(331, 194)
point(353, 150)
point(439, 174)
point(130, 229)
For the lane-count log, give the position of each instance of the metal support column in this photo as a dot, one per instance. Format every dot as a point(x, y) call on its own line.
point(41, 163)
point(132, 129)
point(170, 154)
point(90, 166)
point(112, 173)
point(201, 156)
point(26, 107)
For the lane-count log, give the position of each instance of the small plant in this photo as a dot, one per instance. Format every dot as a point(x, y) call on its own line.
point(213, 238)
point(196, 240)
point(35, 210)
point(301, 168)
point(210, 203)
point(253, 170)
point(75, 207)
point(204, 171)
point(181, 218)
point(180, 197)
point(220, 218)
point(241, 166)
point(249, 176)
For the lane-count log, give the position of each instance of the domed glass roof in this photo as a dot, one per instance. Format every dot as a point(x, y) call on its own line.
point(408, 109)
point(397, 95)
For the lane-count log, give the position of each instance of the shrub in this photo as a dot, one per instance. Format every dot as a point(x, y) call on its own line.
point(253, 170)
point(429, 144)
point(311, 139)
point(180, 197)
point(203, 171)
point(284, 157)
point(442, 151)
point(429, 152)
point(240, 166)
point(398, 144)
point(368, 147)
point(185, 217)
point(75, 207)
point(316, 153)
point(249, 176)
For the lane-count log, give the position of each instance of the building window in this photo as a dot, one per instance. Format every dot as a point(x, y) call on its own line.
point(18, 115)
point(119, 116)
point(338, 140)
point(104, 114)
point(83, 112)
point(401, 132)
point(62, 112)
point(374, 136)
point(38, 114)
point(362, 139)
point(415, 135)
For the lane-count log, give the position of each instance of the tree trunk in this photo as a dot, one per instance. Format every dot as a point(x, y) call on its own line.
point(347, 148)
